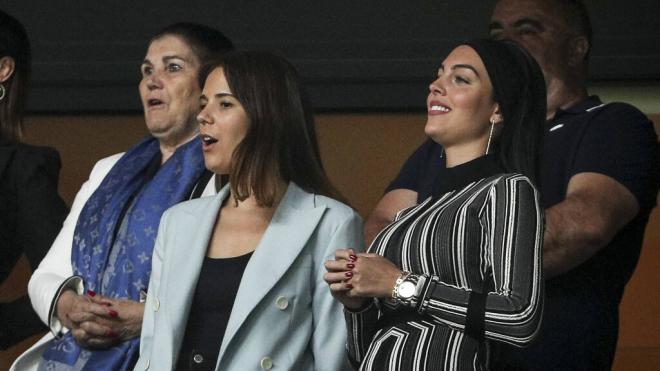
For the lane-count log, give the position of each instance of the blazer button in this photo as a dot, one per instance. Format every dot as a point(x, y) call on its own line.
point(156, 304)
point(266, 363)
point(198, 358)
point(282, 302)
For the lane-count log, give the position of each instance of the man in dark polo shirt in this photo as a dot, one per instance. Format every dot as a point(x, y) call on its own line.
point(599, 176)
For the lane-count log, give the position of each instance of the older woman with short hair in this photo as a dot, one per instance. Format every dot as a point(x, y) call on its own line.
point(90, 287)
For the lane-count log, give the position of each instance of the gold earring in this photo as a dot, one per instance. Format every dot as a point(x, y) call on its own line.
point(490, 136)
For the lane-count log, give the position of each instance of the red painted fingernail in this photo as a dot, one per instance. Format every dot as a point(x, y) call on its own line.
point(353, 257)
point(91, 293)
point(350, 265)
point(111, 334)
point(112, 313)
point(349, 285)
point(349, 274)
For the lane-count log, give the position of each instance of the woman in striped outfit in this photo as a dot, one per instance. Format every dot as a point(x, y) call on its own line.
point(462, 268)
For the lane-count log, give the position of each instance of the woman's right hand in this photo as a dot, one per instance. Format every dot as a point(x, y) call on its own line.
point(88, 321)
point(338, 277)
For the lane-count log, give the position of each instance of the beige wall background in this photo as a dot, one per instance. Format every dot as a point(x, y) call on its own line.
point(362, 153)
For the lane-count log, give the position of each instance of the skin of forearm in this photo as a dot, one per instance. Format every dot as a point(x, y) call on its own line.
point(574, 232)
point(385, 211)
point(374, 224)
point(595, 209)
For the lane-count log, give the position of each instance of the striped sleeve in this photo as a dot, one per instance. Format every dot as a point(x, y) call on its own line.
point(361, 327)
point(509, 306)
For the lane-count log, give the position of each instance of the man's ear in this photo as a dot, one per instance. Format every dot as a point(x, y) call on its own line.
point(579, 47)
point(7, 66)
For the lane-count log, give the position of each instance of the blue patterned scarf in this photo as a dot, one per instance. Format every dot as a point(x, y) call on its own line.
point(113, 256)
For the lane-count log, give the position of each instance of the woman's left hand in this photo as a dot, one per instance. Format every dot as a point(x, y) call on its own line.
point(127, 323)
point(373, 276)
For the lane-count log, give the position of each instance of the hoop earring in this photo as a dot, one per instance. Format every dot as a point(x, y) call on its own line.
point(490, 136)
point(3, 92)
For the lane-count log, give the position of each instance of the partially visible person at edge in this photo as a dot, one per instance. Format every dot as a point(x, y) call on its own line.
point(237, 279)
point(89, 288)
point(461, 270)
point(599, 177)
point(31, 210)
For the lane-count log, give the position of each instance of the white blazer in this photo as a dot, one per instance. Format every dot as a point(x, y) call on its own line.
point(284, 317)
point(56, 268)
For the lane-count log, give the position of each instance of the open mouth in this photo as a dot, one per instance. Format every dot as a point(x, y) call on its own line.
point(207, 139)
point(438, 108)
point(154, 103)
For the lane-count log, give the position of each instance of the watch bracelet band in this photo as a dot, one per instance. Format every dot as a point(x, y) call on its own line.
point(418, 281)
point(419, 287)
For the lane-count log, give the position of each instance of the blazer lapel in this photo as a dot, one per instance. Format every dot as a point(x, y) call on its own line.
point(292, 225)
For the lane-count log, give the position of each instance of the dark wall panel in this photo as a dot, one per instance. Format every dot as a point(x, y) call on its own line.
point(353, 54)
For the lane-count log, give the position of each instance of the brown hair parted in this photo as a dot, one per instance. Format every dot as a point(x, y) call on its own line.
point(14, 43)
point(280, 142)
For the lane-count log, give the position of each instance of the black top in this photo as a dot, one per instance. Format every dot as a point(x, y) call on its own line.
point(579, 329)
point(31, 215)
point(615, 140)
point(581, 317)
point(452, 178)
point(211, 307)
point(420, 170)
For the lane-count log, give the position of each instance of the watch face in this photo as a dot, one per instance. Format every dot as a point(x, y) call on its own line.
point(406, 290)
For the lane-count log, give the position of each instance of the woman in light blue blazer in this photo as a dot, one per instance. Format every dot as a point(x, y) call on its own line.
point(237, 278)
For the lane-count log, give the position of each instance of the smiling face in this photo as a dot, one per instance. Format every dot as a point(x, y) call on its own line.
point(460, 102)
point(223, 122)
point(169, 90)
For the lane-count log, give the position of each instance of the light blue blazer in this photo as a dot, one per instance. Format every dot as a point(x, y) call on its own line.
point(284, 317)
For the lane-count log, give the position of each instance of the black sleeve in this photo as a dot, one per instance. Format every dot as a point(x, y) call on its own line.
point(414, 169)
point(512, 222)
point(40, 212)
point(622, 144)
point(40, 209)
point(18, 322)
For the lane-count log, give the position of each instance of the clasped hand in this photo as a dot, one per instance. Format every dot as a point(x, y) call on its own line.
point(98, 321)
point(354, 278)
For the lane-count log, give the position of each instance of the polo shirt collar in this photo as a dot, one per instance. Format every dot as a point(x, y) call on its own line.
point(579, 107)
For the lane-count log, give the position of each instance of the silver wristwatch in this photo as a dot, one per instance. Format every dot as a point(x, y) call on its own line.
point(405, 288)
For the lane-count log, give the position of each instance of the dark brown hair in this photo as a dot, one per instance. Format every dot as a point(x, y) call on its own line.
point(14, 43)
point(280, 142)
point(519, 90)
point(207, 43)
